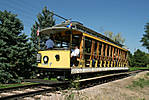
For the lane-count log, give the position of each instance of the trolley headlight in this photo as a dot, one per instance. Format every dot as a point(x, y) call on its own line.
point(45, 59)
point(38, 58)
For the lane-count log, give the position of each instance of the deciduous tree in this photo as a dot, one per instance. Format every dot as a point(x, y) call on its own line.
point(140, 59)
point(117, 38)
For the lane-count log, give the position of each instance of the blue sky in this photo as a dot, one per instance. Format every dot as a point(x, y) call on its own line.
point(125, 16)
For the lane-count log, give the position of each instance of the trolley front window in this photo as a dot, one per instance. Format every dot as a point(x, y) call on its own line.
point(61, 40)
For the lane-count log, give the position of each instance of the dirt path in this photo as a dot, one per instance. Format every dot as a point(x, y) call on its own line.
point(116, 90)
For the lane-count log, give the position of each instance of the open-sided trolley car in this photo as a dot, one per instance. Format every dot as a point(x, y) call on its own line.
point(97, 52)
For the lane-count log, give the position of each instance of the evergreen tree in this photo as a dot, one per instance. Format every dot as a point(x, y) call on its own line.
point(45, 19)
point(145, 38)
point(15, 51)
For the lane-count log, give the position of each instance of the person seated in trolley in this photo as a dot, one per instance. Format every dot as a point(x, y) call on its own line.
point(49, 43)
point(75, 53)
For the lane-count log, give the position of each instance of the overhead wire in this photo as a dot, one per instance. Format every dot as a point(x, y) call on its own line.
point(19, 7)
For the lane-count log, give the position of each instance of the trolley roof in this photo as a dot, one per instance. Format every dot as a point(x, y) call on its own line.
point(54, 29)
point(80, 29)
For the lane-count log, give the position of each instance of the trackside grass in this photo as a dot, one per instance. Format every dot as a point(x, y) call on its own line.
point(137, 68)
point(14, 85)
point(141, 82)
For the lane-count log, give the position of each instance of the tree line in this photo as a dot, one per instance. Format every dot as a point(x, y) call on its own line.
point(18, 51)
point(138, 59)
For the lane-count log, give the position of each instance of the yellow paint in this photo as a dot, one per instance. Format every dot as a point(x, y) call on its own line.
point(90, 63)
point(81, 63)
point(96, 63)
point(101, 63)
point(101, 40)
point(114, 63)
point(119, 64)
point(64, 61)
point(108, 63)
point(111, 63)
point(104, 63)
point(123, 65)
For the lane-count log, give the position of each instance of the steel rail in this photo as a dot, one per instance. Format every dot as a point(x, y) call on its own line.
point(28, 90)
point(42, 88)
point(19, 87)
point(88, 82)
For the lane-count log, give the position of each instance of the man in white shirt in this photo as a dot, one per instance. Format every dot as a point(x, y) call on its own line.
point(74, 56)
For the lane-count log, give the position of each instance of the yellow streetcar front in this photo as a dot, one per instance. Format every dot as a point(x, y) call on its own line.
point(58, 57)
point(54, 59)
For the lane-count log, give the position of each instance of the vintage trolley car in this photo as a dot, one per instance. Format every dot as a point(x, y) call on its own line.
point(97, 52)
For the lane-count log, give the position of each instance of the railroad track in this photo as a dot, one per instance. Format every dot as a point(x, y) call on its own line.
point(15, 93)
point(31, 90)
point(85, 83)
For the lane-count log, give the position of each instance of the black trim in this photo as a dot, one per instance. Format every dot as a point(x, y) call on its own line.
point(55, 69)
